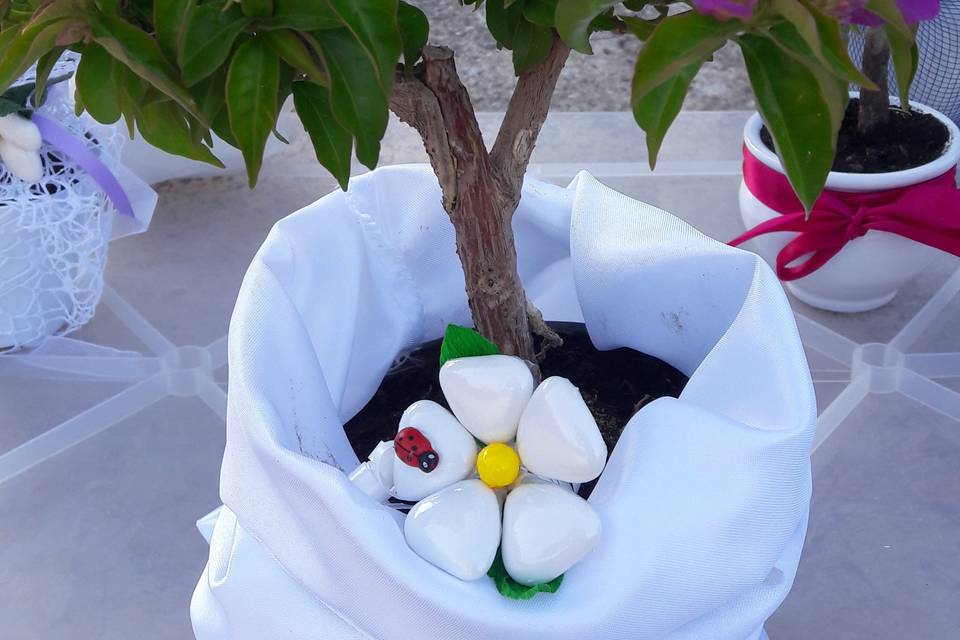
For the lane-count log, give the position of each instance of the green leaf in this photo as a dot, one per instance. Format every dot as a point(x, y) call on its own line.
point(251, 90)
point(208, 40)
point(797, 114)
point(165, 126)
point(331, 142)
point(373, 24)
point(44, 67)
point(676, 43)
point(358, 101)
point(294, 52)
point(414, 31)
point(639, 27)
point(462, 342)
point(300, 16)
point(890, 12)
point(169, 18)
point(531, 44)
point(540, 12)
point(210, 94)
point(833, 87)
point(656, 110)
point(9, 106)
point(813, 33)
point(142, 55)
point(502, 21)
point(98, 84)
point(510, 588)
point(25, 48)
point(905, 57)
point(257, 8)
point(574, 17)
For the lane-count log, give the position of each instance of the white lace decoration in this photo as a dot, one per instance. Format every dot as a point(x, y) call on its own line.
point(54, 232)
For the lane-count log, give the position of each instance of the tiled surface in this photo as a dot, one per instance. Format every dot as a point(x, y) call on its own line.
point(98, 542)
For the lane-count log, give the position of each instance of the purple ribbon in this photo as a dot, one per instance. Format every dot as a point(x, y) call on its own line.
point(77, 150)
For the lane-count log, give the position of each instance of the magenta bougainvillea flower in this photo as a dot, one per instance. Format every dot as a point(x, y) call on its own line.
point(726, 9)
point(855, 12)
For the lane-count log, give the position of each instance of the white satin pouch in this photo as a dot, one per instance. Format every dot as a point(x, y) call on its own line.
point(703, 503)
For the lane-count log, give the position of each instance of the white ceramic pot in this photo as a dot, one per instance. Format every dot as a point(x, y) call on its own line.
point(869, 270)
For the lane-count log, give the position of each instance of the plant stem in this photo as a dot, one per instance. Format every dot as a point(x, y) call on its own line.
point(875, 105)
point(481, 189)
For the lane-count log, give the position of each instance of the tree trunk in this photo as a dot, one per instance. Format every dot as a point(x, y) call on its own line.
point(481, 189)
point(875, 105)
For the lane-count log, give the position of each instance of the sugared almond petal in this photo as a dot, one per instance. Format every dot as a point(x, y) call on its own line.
point(487, 394)
point(454, 446)
point(558, 437)
point(457, 529)
point(546, 530)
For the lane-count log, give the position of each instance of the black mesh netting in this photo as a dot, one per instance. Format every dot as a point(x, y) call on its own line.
point(937, 83)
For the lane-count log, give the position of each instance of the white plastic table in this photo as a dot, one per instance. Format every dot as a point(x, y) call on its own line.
point(107, 459)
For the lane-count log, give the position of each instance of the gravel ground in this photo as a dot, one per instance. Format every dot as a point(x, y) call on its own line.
point(600, 82)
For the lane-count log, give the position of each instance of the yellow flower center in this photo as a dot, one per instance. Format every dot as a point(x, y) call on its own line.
point(498, 465)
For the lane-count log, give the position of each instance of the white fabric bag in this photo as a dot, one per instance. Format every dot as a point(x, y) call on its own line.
point(704, 501)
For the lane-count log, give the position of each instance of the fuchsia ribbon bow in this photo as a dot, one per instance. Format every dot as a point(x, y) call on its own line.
point(928, 212)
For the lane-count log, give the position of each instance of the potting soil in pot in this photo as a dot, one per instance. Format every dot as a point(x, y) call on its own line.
point(910, 139)
point(615, 384)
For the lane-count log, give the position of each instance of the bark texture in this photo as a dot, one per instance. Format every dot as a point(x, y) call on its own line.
point(875, 105)
point(481, 189)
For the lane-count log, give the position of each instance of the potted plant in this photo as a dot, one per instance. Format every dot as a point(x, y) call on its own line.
point(58, 191)
point(701, 507)
point(890, 202)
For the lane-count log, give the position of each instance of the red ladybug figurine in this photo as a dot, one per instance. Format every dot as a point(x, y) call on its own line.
point(414, 449)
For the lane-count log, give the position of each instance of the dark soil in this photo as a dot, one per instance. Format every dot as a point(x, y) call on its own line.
point(909, 140)
point(615, 385)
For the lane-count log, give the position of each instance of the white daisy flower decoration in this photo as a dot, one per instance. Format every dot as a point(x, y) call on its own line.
point(493, 479)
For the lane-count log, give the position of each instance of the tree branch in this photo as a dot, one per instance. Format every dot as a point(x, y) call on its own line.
point(875, 105)
point(414, 103)
point(521, 125)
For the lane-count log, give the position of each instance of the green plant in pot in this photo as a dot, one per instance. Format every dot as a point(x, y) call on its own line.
point(181, 70)
point(890, 205)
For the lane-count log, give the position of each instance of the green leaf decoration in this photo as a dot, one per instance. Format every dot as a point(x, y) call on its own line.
point(414, 31)
point(657, 110)
point(510, 588)
point(797, 114)
point(574, 17)
point(253, 80)
point(462, 342)
point(331, 142)
point(208, 39)
point(99, 78)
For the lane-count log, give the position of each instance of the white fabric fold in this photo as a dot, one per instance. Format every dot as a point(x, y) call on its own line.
point(703, 503)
